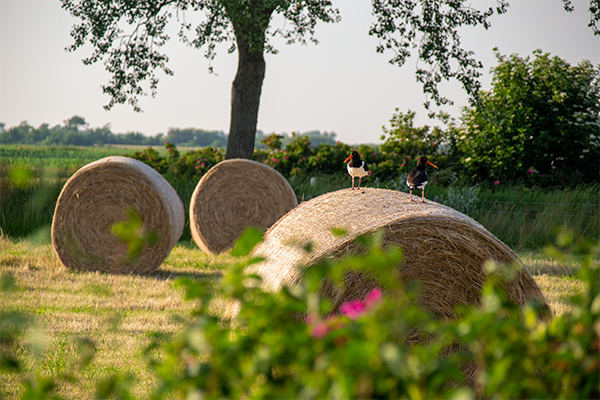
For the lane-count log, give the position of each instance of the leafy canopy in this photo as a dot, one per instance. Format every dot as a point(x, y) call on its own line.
point(540, 119)
point(128, 35)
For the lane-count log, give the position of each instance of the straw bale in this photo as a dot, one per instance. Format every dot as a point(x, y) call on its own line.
point(234, 195)
point(98, 196)
point(444, 250)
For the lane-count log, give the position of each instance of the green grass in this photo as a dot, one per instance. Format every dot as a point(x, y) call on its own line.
point(528, 218)
point(56, 157)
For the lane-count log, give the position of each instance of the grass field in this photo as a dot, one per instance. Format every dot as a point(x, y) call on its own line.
point(120, 314)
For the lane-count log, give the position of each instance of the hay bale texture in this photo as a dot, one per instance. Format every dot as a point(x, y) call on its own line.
point(101, 194)
point(445, 250)
point(234, 195)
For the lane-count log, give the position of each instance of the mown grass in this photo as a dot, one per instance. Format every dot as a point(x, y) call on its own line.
point(120, 314)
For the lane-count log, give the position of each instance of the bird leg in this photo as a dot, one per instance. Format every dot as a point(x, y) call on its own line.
point(359, 181)
point(423, 195)
point(352, 183)
point(411, 195)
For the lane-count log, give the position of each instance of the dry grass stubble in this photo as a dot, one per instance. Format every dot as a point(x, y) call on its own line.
point(117, 312)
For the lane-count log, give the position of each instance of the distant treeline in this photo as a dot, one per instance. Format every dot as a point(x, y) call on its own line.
point(76, 132)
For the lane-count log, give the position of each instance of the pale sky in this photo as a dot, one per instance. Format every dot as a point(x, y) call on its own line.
point(340, 85)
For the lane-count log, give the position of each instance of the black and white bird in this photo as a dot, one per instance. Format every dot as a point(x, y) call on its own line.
point(357, 168)
point(417, 178)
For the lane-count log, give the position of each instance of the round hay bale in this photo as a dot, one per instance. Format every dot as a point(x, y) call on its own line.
point(444, 250)
point(234, 195)
point(104, 193)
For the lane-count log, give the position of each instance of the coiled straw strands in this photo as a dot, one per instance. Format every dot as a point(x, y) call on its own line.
point(98, 196)
point(445, 250)
point(234, 195)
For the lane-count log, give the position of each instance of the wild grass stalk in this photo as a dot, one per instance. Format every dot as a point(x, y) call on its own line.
point(529, 219)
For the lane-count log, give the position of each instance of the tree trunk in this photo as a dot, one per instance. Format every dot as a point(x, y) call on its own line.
point(245, 99)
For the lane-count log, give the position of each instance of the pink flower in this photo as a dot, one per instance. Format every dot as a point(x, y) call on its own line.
point(530, 171)
point(203, 165)
point(319, 327)
point(319, 330)
point(402, 165)
point(353, 309)
point(373, 298)
point(496, 182)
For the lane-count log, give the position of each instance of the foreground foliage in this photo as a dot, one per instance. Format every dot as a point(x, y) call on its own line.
point(289, 344)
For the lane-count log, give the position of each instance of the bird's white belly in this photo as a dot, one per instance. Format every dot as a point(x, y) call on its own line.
point(420, 186)
point(357, 172)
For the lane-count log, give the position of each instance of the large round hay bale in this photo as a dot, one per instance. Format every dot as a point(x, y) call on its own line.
point(234, 195)
point(104, 193)
point(444, 250)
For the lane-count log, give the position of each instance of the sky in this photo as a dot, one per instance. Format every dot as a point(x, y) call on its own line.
point(340, 85)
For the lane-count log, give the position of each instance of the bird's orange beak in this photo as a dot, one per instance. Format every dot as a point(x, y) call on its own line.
point(433, 165)
point(349, 157)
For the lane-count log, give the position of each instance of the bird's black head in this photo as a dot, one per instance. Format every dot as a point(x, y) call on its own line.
point(423, 161)
point(354, 156)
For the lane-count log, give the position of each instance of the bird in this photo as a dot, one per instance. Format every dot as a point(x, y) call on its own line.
point(357, 168)
point(417, 178)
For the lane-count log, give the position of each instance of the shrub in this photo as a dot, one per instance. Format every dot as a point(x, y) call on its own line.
point(287, 345)
point(538, 124)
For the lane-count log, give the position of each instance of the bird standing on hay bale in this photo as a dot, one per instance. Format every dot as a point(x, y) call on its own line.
point(357, 168)
point(417, 178)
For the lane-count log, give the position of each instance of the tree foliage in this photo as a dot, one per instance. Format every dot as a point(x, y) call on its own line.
point(540, 119)
point(76, 132)
point(431, 29)
point(128, 37)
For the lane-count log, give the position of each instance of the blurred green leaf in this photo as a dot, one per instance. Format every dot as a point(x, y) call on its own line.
point(132, 232)
point(247, 242)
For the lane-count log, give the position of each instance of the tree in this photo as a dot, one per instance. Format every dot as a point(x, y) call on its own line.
point(132, 58)
point(75, 122)
point(429, 27)
point(541, 118)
